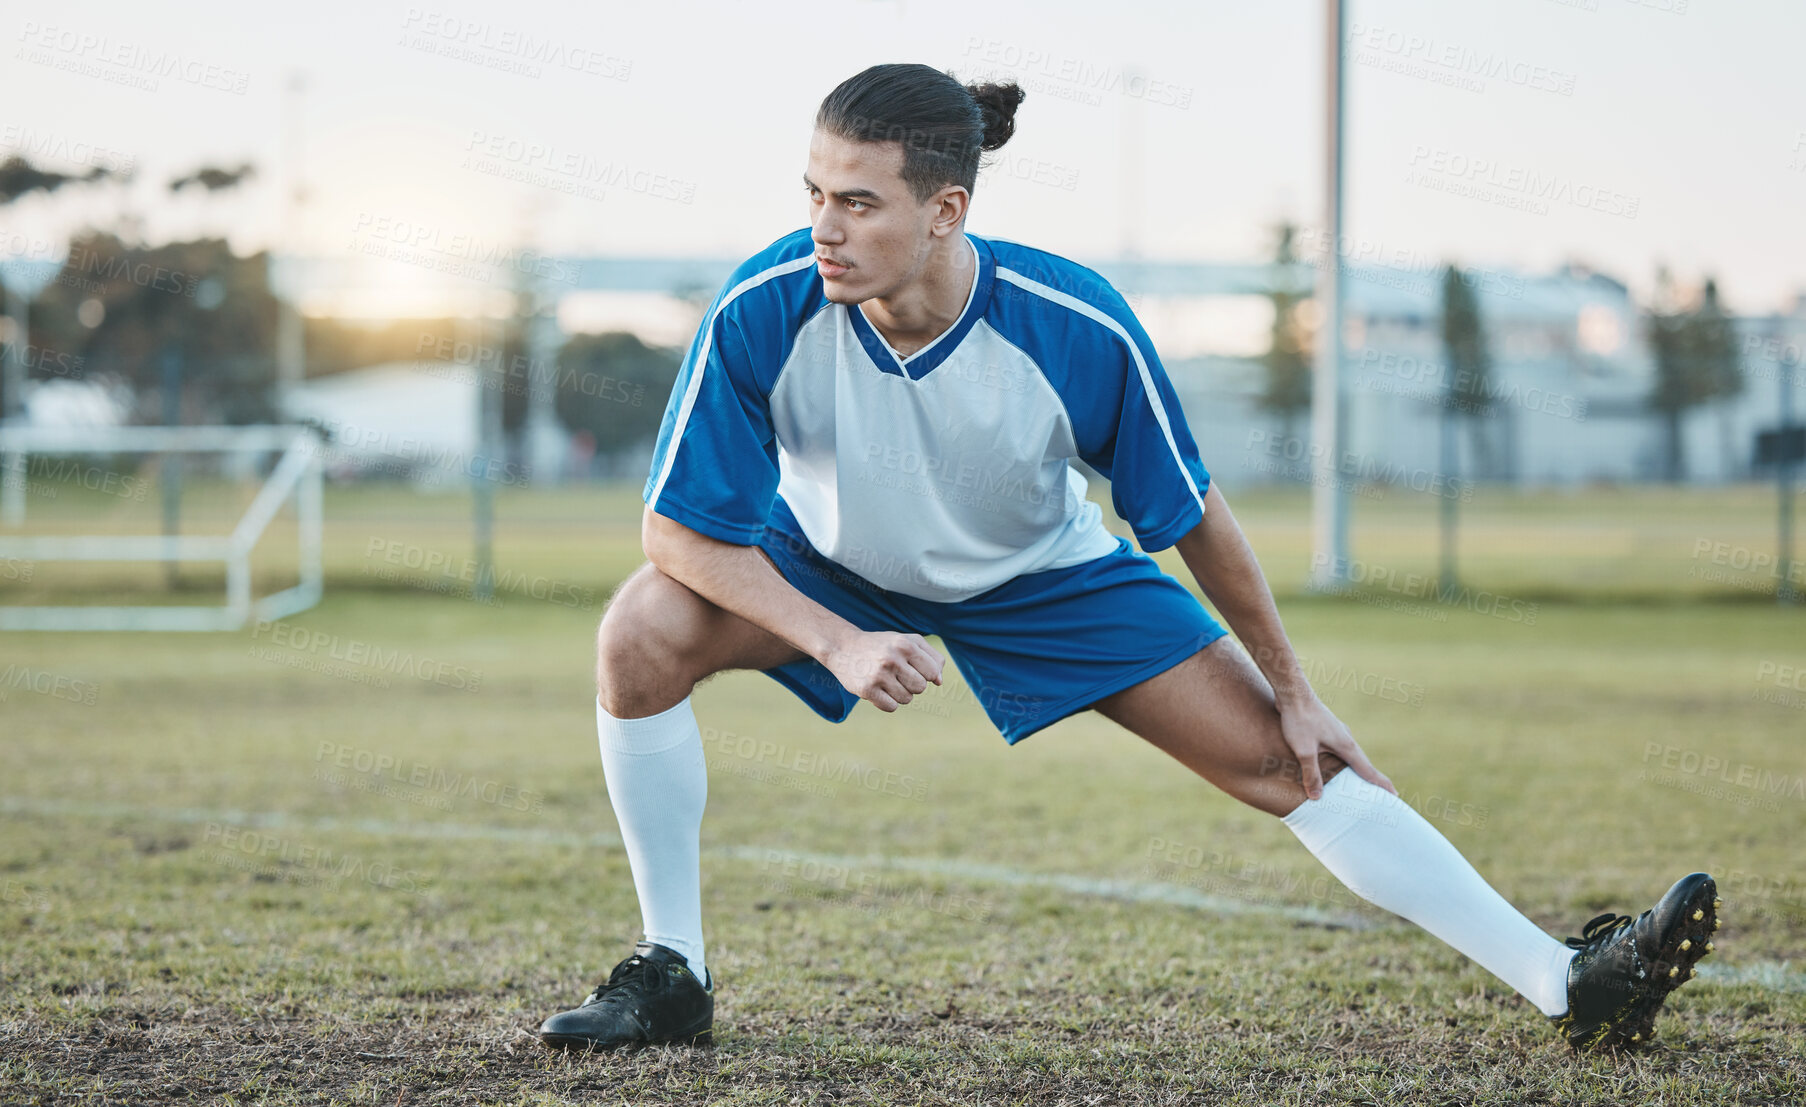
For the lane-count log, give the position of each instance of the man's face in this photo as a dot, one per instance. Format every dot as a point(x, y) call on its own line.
point(872, 236)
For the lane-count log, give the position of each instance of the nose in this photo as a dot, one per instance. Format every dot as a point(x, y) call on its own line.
point(825, 229)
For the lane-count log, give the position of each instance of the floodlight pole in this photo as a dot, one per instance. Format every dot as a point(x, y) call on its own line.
point(291, 358)
point(1785, 592)
point(488, 439)
point(18, 307)
point(1329, 420)
point(12, 372)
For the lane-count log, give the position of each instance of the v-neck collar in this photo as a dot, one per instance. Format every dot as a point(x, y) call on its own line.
point(923, 361)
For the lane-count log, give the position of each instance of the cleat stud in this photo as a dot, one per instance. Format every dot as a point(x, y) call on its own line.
point(1710, 947)
point(1714, 924)
point(1692, 972)
point(1674, 972)
point(1637, 1037)
point(1686, 944)
point(1698, 914)
point(1717, 903)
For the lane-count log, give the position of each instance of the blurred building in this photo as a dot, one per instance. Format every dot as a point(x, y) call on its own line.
point(1570, 378)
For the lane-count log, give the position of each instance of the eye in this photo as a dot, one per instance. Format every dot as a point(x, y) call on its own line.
point(856, 205)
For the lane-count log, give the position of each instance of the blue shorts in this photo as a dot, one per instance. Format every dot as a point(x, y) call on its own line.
point(1034, 649)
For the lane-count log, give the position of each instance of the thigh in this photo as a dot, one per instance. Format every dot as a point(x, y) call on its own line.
point(1049, 644)
point(655, 617)
point(1214, 713)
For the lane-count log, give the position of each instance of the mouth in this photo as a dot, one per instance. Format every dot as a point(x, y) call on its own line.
point(830, 268)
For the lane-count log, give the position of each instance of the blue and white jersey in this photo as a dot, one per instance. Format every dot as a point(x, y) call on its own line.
point(942, 474)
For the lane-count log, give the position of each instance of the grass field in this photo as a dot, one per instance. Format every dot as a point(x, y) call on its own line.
point(354, 857)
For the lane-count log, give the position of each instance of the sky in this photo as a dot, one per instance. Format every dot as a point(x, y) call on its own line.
point(1521, 134)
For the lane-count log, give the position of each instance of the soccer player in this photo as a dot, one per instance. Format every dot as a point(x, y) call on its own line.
point(869, 443)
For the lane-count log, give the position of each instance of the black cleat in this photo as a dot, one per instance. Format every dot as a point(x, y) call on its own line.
point(652, 998)
point(1626, 968)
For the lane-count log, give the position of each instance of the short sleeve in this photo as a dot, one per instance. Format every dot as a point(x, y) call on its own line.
point(1138, 438)
point(715, 467)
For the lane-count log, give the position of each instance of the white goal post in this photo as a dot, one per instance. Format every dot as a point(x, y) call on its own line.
point(297, 473)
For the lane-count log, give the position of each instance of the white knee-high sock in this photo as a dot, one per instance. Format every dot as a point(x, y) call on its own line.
point(1387, 854)
point(658, 783)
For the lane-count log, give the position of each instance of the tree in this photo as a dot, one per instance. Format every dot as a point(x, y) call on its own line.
point(17, 178)
point(1287, 362)
point(119, 307)
point(1696, 361)
point(612, 387)
point(1467, 394)
point(1713, 338)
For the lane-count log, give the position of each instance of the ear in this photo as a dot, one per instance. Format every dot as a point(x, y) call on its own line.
point(949, 210)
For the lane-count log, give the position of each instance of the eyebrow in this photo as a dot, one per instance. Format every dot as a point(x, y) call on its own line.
point(849, 194)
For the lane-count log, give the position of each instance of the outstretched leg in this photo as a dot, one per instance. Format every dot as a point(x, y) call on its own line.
point(1216, 715)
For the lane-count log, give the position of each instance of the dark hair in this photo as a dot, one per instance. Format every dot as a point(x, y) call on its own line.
point(942, 124)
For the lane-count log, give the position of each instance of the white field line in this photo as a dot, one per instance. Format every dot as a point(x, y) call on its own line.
point(971, 872)
point(1773, 975)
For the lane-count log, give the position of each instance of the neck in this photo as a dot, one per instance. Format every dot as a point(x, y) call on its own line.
point(915, 316)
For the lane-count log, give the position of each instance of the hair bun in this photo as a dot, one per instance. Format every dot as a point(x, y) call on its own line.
point(999, 103)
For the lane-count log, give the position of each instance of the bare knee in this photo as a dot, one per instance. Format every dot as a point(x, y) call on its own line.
point(646, 645)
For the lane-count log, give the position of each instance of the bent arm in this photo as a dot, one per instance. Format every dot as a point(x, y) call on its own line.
point(1218, 555)
point(884, 667)
point(741, 579)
